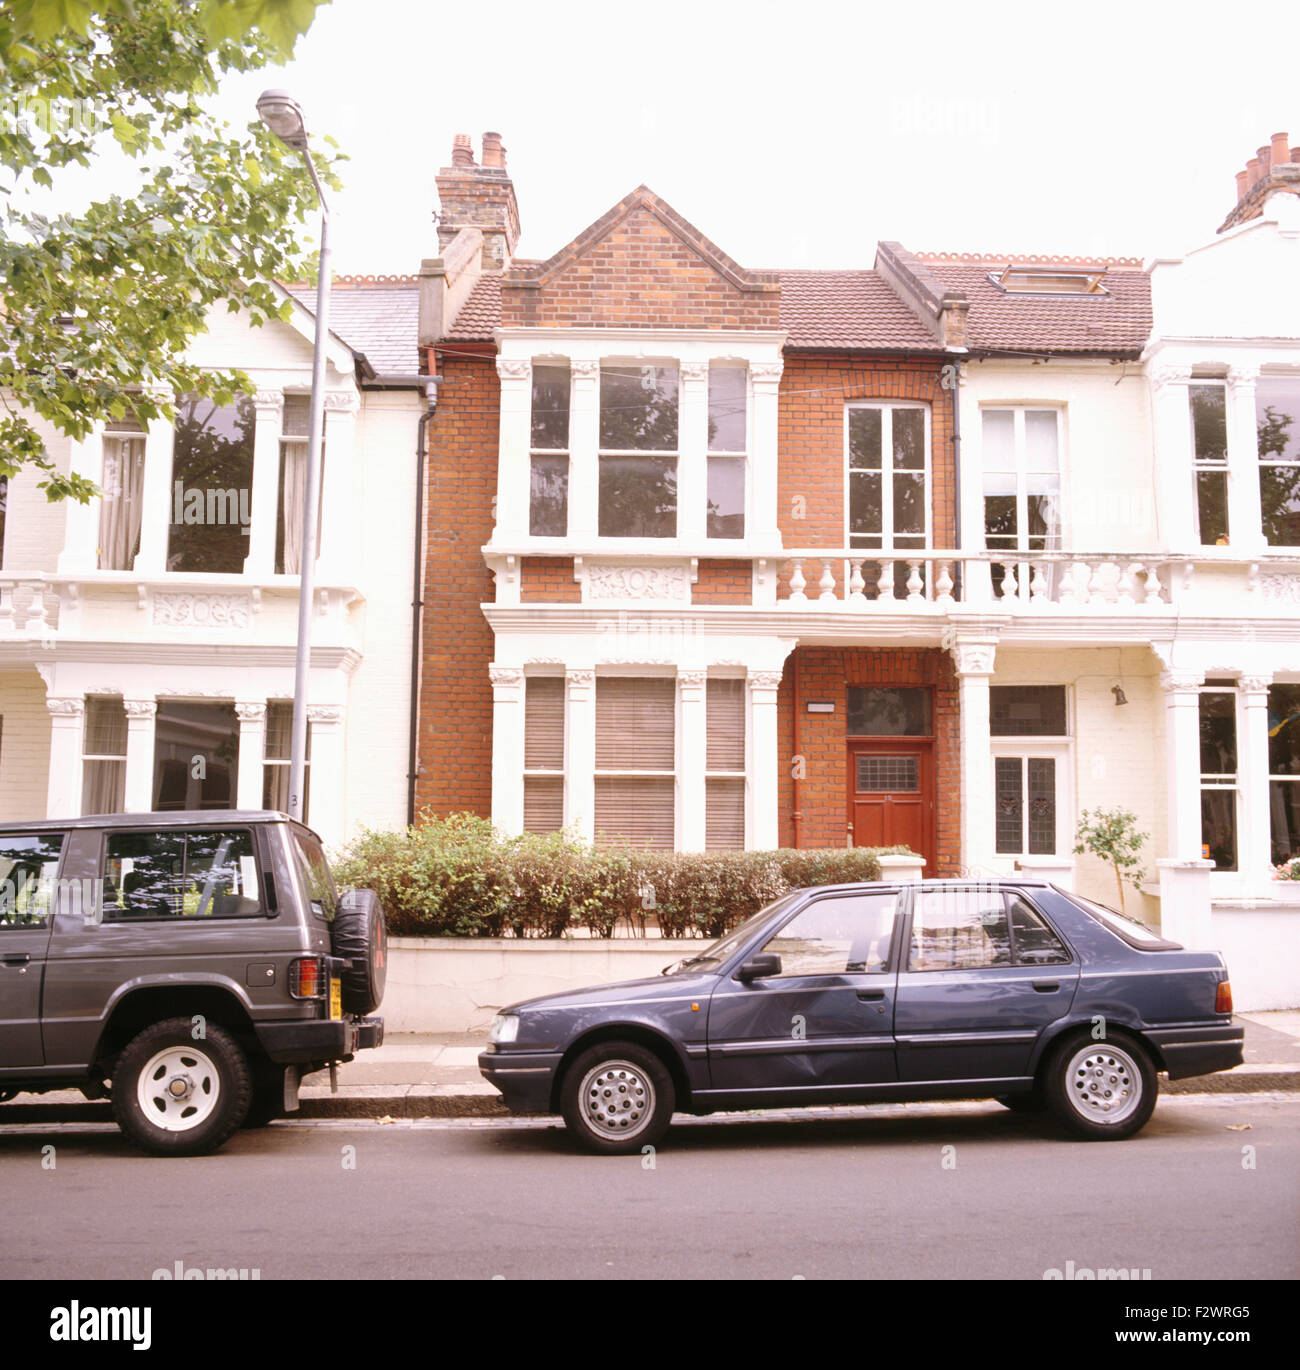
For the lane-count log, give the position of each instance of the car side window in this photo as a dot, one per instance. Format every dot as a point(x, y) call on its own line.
point(29, 867)
point(316, 873)
point(837, 936)
point(1035, 943)
point(171, 873)
point(959, 930)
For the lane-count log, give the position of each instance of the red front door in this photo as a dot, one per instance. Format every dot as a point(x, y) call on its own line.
point(891, 794)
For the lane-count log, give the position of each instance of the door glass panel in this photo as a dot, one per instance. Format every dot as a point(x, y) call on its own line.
point(896, 774)
point(834, 936)
point(959, 930)
point(1009, 783)
point(1042, 806)
point(1036, 943)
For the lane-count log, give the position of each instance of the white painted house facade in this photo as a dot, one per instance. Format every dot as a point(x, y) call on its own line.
point(147, 639)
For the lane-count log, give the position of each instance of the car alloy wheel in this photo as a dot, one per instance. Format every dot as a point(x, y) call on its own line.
point(617, 1099)
point(1103, 1083)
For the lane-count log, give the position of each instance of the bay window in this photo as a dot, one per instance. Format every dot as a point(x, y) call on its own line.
point(548, 504)
point(728, 404)
point(294, 442)
point(638, 451)
point(1284, 772)
point(103, 784)
point(1210, 460)
point(636, 761)
point(1022, 484)
point(1218, 729)
point(212, 481)
point(1277, 424)
point(121, 504)
point(724, 800)
point(544, 754)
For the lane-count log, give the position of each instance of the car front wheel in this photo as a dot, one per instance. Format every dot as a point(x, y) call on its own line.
point(1103, 1091)
point(617, 1098)
point(178, 1096)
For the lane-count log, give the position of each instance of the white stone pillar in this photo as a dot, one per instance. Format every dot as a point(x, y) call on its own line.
point(249, 786)
point(764, 761)
point(580, 753)
point(1183, 762)
point(901, 868)
point(80, 551)
point(584, 459)
point(1254, 847)
point(1185, 902)
point(974, 663)
point(1175, 455)
point(67, 737)
point(693, 457)
point(692, 695)
point(976, 576)
point(268, 424)
point(328, 771)
point(507, 749)
point(339, 541)
point(157, 501)
point(514, 462)
point(141, 716)
point(1245, 527)
point(761, 517)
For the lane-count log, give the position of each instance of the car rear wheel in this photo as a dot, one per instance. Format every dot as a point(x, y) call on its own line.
point(1103, 1091)
point(176, 1096)
point(617, 1098)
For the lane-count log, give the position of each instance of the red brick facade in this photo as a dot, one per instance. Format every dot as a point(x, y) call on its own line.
point(723, 582)
point(825, 673)
point(455, 746)
point(548, 580)
point(810, 482)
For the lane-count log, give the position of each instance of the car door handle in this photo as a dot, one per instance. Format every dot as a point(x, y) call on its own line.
point(1046, 986)
point(17, 959)
point(870, 995)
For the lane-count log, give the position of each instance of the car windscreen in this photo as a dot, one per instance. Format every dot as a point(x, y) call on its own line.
point(717, 954)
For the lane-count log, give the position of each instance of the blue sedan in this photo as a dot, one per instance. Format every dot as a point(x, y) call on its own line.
point(850, 994)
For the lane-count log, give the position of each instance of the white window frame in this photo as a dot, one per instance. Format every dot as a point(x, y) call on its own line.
point(742, 456)
point(887, 550)
point(645, 363)
point(1199, 464)
point(1024, 749)
point(1224, 780)
point(1019, 447)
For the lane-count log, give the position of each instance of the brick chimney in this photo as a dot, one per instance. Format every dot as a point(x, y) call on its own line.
point(1274, 169)
point(482, 197)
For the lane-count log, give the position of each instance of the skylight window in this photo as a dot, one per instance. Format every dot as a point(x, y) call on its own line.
point(1050, 280)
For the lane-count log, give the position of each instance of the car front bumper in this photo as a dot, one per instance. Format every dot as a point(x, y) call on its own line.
point(524, 1078)
point(1199, 1050)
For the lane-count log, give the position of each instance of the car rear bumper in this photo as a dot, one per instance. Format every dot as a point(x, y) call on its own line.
point(1199, 1050)
point(523, 1077)
point(324, 1040)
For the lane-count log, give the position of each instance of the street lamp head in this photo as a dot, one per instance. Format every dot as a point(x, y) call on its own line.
point(282, 114)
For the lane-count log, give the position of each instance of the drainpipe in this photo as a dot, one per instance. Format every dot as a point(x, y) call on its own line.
point(956, 457)
point(429, 384)
point(796, 814)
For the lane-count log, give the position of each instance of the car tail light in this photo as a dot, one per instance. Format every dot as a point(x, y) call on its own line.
point(1223, 997)
point(307, 978)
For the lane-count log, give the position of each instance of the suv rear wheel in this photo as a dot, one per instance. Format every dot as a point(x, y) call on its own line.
point(176, 1096)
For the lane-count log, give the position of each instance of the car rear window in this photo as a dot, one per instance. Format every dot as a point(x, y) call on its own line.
point(1135, 933)
point(181, 873)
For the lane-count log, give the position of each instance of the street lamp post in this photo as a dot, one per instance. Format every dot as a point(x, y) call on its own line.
point(281, 113)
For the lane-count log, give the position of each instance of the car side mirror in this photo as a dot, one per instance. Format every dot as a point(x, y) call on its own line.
point(760, 967)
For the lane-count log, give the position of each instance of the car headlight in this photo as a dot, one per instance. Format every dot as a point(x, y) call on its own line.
point(505, 1028)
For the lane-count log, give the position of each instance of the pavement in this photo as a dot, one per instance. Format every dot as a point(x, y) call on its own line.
point(419, 1075)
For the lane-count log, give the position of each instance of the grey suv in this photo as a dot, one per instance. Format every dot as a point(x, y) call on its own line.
point(191, 966)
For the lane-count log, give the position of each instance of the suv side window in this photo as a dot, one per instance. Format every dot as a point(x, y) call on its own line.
point(959, 930)
point(316, 874)
point(837, 936)
point(29, 866)
point(168, 873)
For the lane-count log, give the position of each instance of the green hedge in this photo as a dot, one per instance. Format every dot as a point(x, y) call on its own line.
point(454, 877)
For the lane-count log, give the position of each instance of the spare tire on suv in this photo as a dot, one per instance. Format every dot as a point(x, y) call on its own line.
point(359, 936)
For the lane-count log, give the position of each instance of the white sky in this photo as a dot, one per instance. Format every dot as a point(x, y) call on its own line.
point(798, 134)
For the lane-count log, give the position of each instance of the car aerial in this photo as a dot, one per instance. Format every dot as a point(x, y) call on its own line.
point(1009, 989)
point(190, 966)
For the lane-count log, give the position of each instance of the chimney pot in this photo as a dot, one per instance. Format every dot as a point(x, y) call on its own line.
point(462, 152)
point(494, 154)
point(1252, 173)
point(1281, 150)
point(1264, 159)
point(1241, 185)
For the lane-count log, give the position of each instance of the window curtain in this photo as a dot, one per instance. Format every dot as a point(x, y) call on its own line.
point(121, 507)
point(293, 492)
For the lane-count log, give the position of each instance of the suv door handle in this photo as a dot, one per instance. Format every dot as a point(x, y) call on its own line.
point(17, 959)
point(870, 995)
point(1046, 986)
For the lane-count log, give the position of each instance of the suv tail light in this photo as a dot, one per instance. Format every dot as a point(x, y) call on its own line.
point(1223, 997)
point(307, 978)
